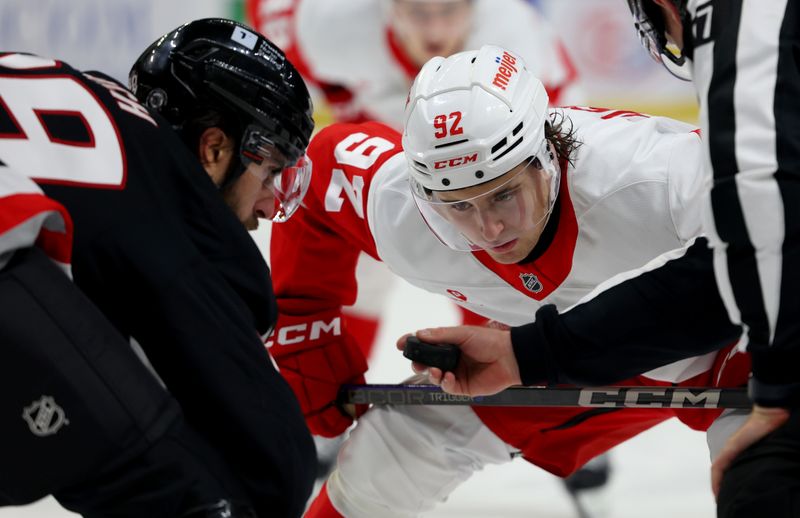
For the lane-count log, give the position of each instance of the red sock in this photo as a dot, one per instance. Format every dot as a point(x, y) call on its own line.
point(322, 507)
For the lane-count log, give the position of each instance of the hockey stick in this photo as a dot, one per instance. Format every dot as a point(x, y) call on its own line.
point(595, 397)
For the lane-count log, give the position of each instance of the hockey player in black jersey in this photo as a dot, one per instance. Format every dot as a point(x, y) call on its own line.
point(170, 265)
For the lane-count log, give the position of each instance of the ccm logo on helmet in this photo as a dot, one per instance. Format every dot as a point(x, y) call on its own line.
point(505, 70)
point(456, 161)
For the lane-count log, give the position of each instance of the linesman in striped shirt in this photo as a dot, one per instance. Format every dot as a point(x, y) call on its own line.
point(740, 55)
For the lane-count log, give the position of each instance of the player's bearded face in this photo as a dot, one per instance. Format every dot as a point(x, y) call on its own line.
point(504, 217)
point(430, 28)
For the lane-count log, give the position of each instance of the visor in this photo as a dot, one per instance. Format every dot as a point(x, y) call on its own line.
point(656, 44)
point(262, 158)
point(517, 205)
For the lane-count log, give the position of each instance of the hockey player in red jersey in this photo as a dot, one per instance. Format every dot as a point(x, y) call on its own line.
point(502, 205)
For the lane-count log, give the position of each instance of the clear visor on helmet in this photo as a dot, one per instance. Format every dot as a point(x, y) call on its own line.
point(288, 181)
point(657, 44)
point(494, 213)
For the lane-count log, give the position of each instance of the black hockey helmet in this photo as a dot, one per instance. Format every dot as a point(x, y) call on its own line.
point(648, 20)
point(230, 67)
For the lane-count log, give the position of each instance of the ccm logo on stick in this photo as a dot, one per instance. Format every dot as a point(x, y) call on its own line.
point(455, 161)
point(659, 398)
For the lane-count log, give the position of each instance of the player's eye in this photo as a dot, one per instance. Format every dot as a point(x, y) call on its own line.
point(460, 206)
point(506, 195)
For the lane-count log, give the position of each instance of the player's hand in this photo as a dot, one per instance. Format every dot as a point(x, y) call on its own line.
point(762, 421)
point(487, 364)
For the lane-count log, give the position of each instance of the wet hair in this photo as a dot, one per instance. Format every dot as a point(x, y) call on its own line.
point(560, 132)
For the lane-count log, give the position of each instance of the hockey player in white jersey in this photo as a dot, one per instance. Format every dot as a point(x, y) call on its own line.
point(364, 54)
point(501, 205)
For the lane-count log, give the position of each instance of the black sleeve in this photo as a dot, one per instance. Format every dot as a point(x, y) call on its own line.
point(658, 317)
point(200, 337)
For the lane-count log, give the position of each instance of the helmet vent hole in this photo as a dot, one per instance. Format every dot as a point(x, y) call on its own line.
point(445, 182)
point(499, 145)
point(516, 130)
point(419, 165)
point(453, 143)
point(478, 174)
point(438, 68)
point(472, 60)
point(508, 149)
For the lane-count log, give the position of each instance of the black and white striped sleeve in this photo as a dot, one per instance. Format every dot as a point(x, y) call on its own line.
point(748, 81)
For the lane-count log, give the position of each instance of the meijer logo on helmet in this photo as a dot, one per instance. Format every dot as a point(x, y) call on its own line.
point(505, 70)
point(456, 161)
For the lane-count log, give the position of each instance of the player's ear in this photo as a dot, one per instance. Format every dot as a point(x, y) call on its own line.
point(215, 150)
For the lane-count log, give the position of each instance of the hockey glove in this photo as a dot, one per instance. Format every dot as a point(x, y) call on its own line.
point(316, 356)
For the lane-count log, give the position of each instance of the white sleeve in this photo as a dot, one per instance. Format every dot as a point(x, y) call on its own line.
point(687, 179)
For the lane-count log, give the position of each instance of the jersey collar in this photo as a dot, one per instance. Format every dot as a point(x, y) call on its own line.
point(539, 278)
point(403, 59)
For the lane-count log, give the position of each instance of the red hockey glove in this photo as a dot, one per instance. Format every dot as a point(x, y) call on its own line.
point(317, 357)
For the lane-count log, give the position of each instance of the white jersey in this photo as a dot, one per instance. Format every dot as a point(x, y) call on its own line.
point(632, 194)
point(348, 43)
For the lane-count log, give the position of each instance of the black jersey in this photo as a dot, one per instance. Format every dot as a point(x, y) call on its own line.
point(164, 258)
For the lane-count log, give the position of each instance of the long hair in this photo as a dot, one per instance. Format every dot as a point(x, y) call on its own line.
point(560, 132)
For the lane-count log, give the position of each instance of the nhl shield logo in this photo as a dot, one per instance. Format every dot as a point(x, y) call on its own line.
point(44, 417)
point(531, 282)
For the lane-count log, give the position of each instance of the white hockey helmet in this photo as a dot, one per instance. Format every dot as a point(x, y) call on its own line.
point(471, 118)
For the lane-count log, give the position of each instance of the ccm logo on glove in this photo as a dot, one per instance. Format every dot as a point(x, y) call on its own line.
point(298, 333)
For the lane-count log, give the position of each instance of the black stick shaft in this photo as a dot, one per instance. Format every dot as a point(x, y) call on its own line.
point(595, 397)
